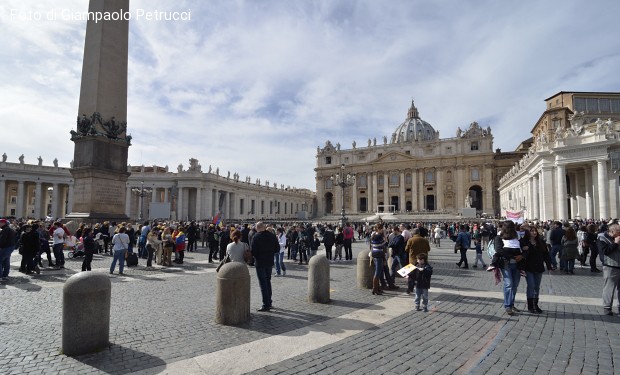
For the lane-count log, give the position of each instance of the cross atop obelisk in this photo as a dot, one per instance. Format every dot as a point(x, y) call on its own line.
point(101, 141)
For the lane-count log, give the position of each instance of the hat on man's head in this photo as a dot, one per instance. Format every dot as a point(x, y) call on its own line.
point(3, 221)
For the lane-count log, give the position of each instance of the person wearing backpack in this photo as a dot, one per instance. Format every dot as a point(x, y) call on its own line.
point(609, 246)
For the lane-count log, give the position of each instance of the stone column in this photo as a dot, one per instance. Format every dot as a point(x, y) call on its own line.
point(488, 205)
point(199, 203)
point(166, 197)
point(70, 198)
point(209, 204)
point(414, 190)
point(547, 212)
point(535, 197)
point(588, 193)
point(320, 197)
point(180, 204)
point(603, 193)
point(375, 191)
point(369, 189)
point(154, 195)
point(439, 190)
point(37, 201)
point(401, 199)
point(227, 206)
point(386, 190)
point(595, 195)
point(353, 209)
point(421, 198)
point(460, 189)
point(128, 201)
point(21, 198)
point(2, 197)
point(55, 196)
point(561, 197)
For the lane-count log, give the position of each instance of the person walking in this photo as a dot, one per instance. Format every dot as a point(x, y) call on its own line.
point(120, 246)
point(264, 246)
point(279, 256)
point(59, 242)
point(569, 250)
point(609, 246)
point(589, 241)
point(89, 248)
point(348, 234)
point(464, 239)
point(329, 238)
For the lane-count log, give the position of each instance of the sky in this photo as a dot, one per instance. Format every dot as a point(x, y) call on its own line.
point(254, 87)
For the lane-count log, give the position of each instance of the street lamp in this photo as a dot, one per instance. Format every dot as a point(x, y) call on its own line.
point(140, 192)
point(344, 181)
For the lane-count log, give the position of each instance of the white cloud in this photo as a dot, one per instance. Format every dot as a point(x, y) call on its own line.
point(254, 87)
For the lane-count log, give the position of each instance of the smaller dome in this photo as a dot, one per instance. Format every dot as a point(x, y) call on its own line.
point(413, 128)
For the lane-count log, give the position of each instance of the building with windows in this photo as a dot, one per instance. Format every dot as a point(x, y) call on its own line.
point(37, 191)
point(414, 171)
point(571, 169)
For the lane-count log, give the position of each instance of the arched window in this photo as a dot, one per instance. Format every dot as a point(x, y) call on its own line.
point(361, 181)
point(475, 174)
point(394, 179)
point(430, 177)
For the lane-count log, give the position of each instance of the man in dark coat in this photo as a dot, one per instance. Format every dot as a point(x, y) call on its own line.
point(7, 245)
point(264, 246)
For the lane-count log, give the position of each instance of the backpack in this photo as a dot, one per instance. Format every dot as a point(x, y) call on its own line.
point(491, 249)
point(180, 239)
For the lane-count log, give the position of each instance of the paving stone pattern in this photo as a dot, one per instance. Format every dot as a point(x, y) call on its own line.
point(167, 314)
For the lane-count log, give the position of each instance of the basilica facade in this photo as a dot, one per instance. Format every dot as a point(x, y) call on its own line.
point(414, 171)
point(187, 193)
point(571, 170)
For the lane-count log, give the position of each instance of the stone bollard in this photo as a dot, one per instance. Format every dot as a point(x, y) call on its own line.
point(364, 270)
point(232, 297)
point(318, 279)
point(86, 313)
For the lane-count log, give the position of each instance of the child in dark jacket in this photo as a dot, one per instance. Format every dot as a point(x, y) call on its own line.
point(422, 277)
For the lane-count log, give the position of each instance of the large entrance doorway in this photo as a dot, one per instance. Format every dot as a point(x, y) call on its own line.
point(475, 193)
point(329, 203)
point(430, 203)
point(363, 204)
point(394, 202)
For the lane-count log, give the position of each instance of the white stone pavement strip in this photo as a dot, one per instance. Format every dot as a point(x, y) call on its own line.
point(269, 351)
point(275, 349)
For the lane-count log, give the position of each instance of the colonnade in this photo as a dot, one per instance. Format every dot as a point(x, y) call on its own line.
point(564, 191)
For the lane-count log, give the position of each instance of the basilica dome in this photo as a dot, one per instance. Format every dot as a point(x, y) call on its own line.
point(413, 128)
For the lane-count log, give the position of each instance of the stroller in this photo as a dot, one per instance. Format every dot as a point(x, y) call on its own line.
point(76, 249)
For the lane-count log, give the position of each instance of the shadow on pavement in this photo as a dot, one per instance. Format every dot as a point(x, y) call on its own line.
point(118, 359)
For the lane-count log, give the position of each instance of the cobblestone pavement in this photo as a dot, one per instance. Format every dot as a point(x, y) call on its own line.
point(162, 321)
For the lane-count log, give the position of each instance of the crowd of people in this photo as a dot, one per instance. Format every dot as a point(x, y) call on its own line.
point(526, 250)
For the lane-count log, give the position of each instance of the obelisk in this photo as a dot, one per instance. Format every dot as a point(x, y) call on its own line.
point(101, 142)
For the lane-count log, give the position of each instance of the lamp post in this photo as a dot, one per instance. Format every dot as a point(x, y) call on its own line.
point(344, 181)
point(140, 193)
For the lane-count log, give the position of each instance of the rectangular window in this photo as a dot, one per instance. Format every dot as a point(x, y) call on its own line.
point(241, 208)
point(615, 105)
point(270, 208)
point(346, 160)
point(328, 160)
point(556, 124)
point(408, 152)
point(591, 105)
point(603, 105)
point(579, 104)
point(474, 146)
point(262, 207)
point(285, 208)
point(379, 155)
point(329, 183)
point(253, 207)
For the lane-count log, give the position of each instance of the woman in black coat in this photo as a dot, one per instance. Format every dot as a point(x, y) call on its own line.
point(536, 258)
